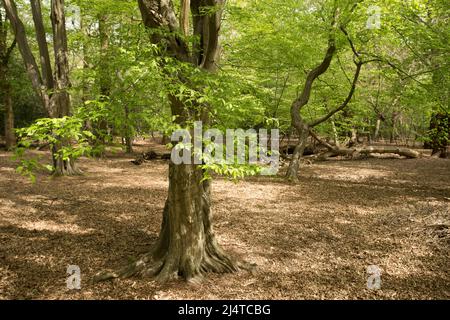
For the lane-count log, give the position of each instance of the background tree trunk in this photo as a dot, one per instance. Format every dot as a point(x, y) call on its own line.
point(335, 134)
point(405, 152)
point(26, 53)
point(60, 99)
point(10, 136)
point(53, 93)
point(184, 16)
point(294, 165)
point(128, 137)
point(297, 121)
point(5, 85)
point(103, 75)
point(376, 134)
point(393, 135)
point(439, 134)
point(47, 73)
point(303, 128)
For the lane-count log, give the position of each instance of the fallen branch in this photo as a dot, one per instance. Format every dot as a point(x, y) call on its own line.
point(149, 156)
point(405, 152)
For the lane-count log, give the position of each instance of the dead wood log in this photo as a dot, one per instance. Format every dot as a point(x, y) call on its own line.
point(149, 156)
point(354, 152)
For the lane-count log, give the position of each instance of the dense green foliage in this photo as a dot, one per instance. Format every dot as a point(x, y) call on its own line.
point(120, 83)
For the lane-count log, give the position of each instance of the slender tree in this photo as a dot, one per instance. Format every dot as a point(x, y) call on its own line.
point(51, 86)
point(5, 85)
point(304, 128)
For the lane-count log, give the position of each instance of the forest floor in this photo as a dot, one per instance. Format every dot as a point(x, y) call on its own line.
point(311, 240)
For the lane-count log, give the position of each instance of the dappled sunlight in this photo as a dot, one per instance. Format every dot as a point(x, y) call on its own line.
point(360, 175)
point(246, 191)
point(55, 227)
point(313, 239)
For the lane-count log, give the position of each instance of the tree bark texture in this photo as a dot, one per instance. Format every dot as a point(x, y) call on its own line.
point(50, 85)
point(5, 85)
point(187, 246)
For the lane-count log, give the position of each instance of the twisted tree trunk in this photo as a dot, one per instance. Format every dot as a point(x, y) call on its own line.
point(298, 123)
point(303, 129)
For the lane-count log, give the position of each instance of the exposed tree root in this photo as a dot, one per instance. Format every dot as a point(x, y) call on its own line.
point(187, 246)
point(66, 168)
point(165, 268)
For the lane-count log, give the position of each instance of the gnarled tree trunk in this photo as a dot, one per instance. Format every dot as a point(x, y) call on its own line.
point(186, 246)
point(297, 121)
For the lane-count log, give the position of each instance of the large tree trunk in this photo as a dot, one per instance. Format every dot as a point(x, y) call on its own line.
point(187, 241)
point(186, 246)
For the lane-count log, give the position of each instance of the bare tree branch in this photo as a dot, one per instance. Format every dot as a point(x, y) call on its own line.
point(346, 101)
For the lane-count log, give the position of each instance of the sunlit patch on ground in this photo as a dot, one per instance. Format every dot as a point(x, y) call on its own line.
point(311, 240)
